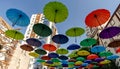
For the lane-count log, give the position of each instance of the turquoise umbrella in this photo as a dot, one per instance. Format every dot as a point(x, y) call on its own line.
point(55, 11)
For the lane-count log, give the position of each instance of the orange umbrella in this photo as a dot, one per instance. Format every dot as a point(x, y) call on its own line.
point(49, 47)
point(97, 17)
point(92, 56)
point(26, 47)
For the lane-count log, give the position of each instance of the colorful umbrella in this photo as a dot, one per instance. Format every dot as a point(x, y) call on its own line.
point(80, 59)
point(109, 32)
point(112, 57)
point(33, 54)
point(118, 50)
point(60, 39)
point(105, 54)
point(40, 60)
point(74, 32)
point(72, 60)
point(63, 57)
point(92, 56)
point(55, 12)
point(53, 55)
point(88, 42)
point(114, 44)
point(73, 47)
point(73, 55)
point(88, 61)
point(78, 63)
point(55, 60)
point(62, 51)
point(105, 62)
point(97, 49)
point(27, 47)
point(49, 47)
point(14, 34)
point(97, 17)
point(83, 53)
point(41, 51)
point(99, 59)
point(45, 57)
point(17, 17)
point(33, 42)
point(42, 30)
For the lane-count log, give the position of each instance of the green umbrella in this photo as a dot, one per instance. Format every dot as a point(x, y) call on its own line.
point(105, 54)
point(14, 34)
point(41, 51)
point(42, 30)
point(88, 42)
point(40, 60)
point(74, 32)
point(80, 59)
point(55, 60)
point(62, 51)
point(55, 11)
point(72, 55)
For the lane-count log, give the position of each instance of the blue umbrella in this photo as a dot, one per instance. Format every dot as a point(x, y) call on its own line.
point(73, 47)
point(87, 61)
point(60, 39)
point(64, 62)
point(34, 42)
point(53, 55)
point(97, 49)
point(84, 64)
point(17, 17)
point(112, 57)
point(62, 57)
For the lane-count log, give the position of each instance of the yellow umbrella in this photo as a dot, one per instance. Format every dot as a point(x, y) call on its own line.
point(33, 54)
point(83, 53)
point(78, 63)
point(105, 62)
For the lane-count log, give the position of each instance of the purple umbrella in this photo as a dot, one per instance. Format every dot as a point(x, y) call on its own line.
point(109, 32)
point(53, 55)
point(34, 42)
point(99, 59)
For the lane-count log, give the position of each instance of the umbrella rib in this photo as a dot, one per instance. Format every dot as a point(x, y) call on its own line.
point(16, 20)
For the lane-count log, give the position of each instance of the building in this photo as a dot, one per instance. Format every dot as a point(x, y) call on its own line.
point(7, 45)
point(29, 62)
point(113, 21)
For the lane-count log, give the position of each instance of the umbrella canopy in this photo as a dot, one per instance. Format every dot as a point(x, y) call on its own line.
point(75, 31)
point(72, 60)
point(99, 59)
point(33, 42)
point(53, 55)
point(17, 17)
point(114, 44)
point(109, 32)
point(97, 49)
point(73, 47)
point(55, 60)
point(27, 47)
point(112, 57)
point(49, 47)
point(83, 53)
point(88, 61)
point(34, 54)
point(62, 57)
point(41, 51)
point(55, 12)
point(62, 51)
point(78, 63)
point(14, 34)
point(105, 54)
point(42, 30)
point(45, 58)
point(92, 56)
point(105, 62)
point(80, 59)
point(72, 55)
point(60, 39)
point(40, 60)
point(88, 42)
point(97, 17)
point(118, 50)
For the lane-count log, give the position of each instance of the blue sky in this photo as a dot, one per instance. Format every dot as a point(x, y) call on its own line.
point(78, 9)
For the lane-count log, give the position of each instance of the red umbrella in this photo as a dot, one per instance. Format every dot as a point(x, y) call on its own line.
point(92, 56)
point(97, 17)
point(49, 47)
point(45, 58)
point(118, 50)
